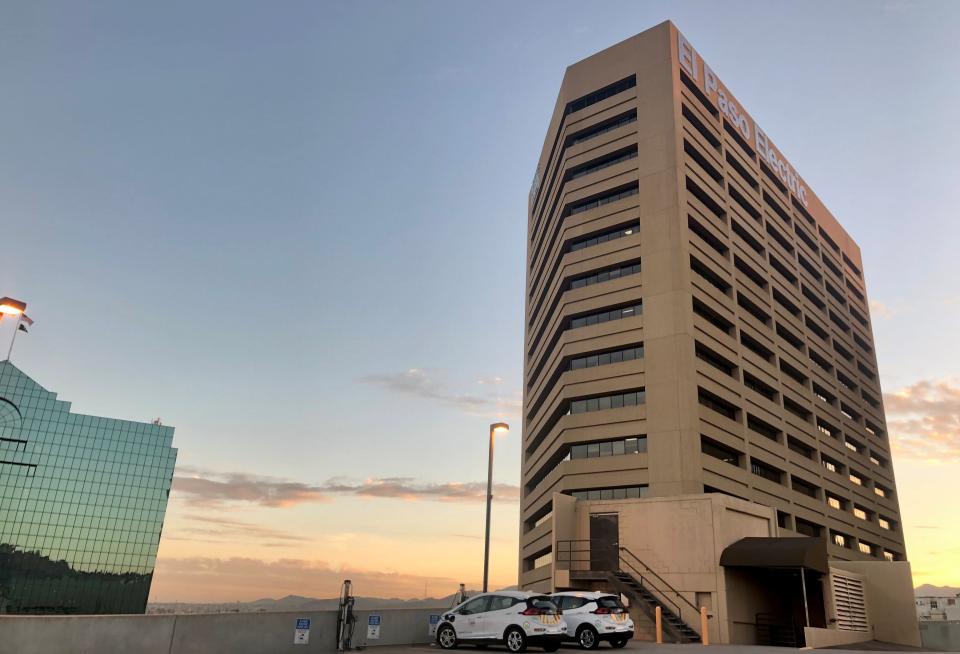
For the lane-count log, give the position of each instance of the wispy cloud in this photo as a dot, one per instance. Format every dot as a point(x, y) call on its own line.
point(207, 528)
point(202, 579)
point(924, 420)
point(201, 486)
point(207, 488)
point(880, 310)
point(432, 385)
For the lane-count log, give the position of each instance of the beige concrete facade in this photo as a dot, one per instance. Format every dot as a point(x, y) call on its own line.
point(697, 322)
point(691, 532)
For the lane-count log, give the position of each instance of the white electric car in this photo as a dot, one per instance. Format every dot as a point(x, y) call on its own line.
point(514, 618)
point(592, 617)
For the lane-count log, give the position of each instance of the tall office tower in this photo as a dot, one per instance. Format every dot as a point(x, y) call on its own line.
point(82, 502)
point(698, 343)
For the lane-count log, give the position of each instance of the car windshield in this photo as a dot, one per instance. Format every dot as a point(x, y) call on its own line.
point(544, 604)
point(610, 602)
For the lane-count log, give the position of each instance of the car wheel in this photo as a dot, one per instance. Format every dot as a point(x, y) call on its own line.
point(587, 637)
point(551, 647)
point(620, 642)
point(515, 640)
point(447, 637)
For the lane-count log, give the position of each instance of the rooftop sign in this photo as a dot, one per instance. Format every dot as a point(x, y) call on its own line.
point(717, 92)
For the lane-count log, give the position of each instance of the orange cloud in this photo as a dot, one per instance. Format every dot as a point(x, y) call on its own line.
point(212, 489)
point(924, 420)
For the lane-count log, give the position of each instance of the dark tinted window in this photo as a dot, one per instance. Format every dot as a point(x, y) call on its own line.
point(543, 603)
point(610, 602)
point(476, 605)
point(500, 602)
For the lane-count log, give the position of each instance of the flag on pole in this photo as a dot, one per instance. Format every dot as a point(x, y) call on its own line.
point(23, 328)
point(25, 319)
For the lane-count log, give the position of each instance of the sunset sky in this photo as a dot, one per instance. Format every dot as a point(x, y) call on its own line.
point(296, 232)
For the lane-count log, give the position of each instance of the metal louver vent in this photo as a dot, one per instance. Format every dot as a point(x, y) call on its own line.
point(850, 603)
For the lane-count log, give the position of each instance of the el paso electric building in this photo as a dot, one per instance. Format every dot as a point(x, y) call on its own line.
point(703, 422)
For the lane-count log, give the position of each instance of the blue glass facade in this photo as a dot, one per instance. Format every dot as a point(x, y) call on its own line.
point(82, 502)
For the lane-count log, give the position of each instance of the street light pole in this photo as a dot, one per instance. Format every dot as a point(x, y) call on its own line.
point(494, 428)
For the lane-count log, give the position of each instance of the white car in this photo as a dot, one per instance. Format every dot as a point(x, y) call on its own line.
point(594, 616)
point(514, 618)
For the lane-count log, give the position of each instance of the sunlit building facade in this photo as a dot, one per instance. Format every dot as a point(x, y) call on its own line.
point(699, 366)
point(82, 503)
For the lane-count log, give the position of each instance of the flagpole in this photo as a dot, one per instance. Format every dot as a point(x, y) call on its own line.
point(14, 338)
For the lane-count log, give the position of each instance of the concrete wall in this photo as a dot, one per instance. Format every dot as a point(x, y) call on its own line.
point(941, 635)
point(888, 586)
point(233, 633)
point(685, 547)
point(815, 637)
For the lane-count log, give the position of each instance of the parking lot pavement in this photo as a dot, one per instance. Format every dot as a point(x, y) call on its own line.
point(636, 645)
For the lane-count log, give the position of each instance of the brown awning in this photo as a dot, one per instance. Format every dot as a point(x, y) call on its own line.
point(753, 552)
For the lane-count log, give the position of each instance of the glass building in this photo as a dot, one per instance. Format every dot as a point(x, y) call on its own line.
point(82, 502)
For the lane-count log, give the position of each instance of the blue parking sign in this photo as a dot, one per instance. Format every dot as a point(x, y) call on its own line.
point(373, 620)
point(303, 623)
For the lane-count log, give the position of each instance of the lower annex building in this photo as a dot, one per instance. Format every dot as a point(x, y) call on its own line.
point(701, 397)
point(82, 503)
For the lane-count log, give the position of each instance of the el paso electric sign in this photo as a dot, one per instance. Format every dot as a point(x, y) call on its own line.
point(706, 79)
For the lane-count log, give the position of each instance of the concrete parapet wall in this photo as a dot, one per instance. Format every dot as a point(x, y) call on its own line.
point(233, 633)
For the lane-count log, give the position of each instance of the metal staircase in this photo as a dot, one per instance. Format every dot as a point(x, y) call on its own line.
point(642, 598)
point(627, 574)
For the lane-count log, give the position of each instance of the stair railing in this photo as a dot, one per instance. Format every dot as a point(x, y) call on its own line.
point(650, 580)
point(586, 555)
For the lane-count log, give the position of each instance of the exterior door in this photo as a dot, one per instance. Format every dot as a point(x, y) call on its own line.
point(604, 541)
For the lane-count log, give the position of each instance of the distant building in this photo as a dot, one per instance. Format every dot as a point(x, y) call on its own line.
point(703, 417)
point(82, 503)
point(938, 608)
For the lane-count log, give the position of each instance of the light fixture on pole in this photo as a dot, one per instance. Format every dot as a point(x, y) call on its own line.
point(11, 307)
point(501, 427)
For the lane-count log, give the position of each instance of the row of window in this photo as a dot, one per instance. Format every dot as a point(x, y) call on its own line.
point(608, 197)
point(796, 408)
point(720, 247)
point(774, 205)
point(586, 320)
point(606, 275)
point(605, 358)
point(587, 405)
point(588, 361)
point(729, 455)
point(593, 130)
point(602, 94)
point(603, 162)
point(577, 137)
point(602, 128)
point(757, 425)
point(618, 493)
point(722, 285)
point(603, 237)
point(605, 402)
point(579, 172)
point(606, 316)
point(617, 447)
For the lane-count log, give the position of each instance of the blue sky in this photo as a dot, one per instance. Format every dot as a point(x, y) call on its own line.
point(296, 231)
